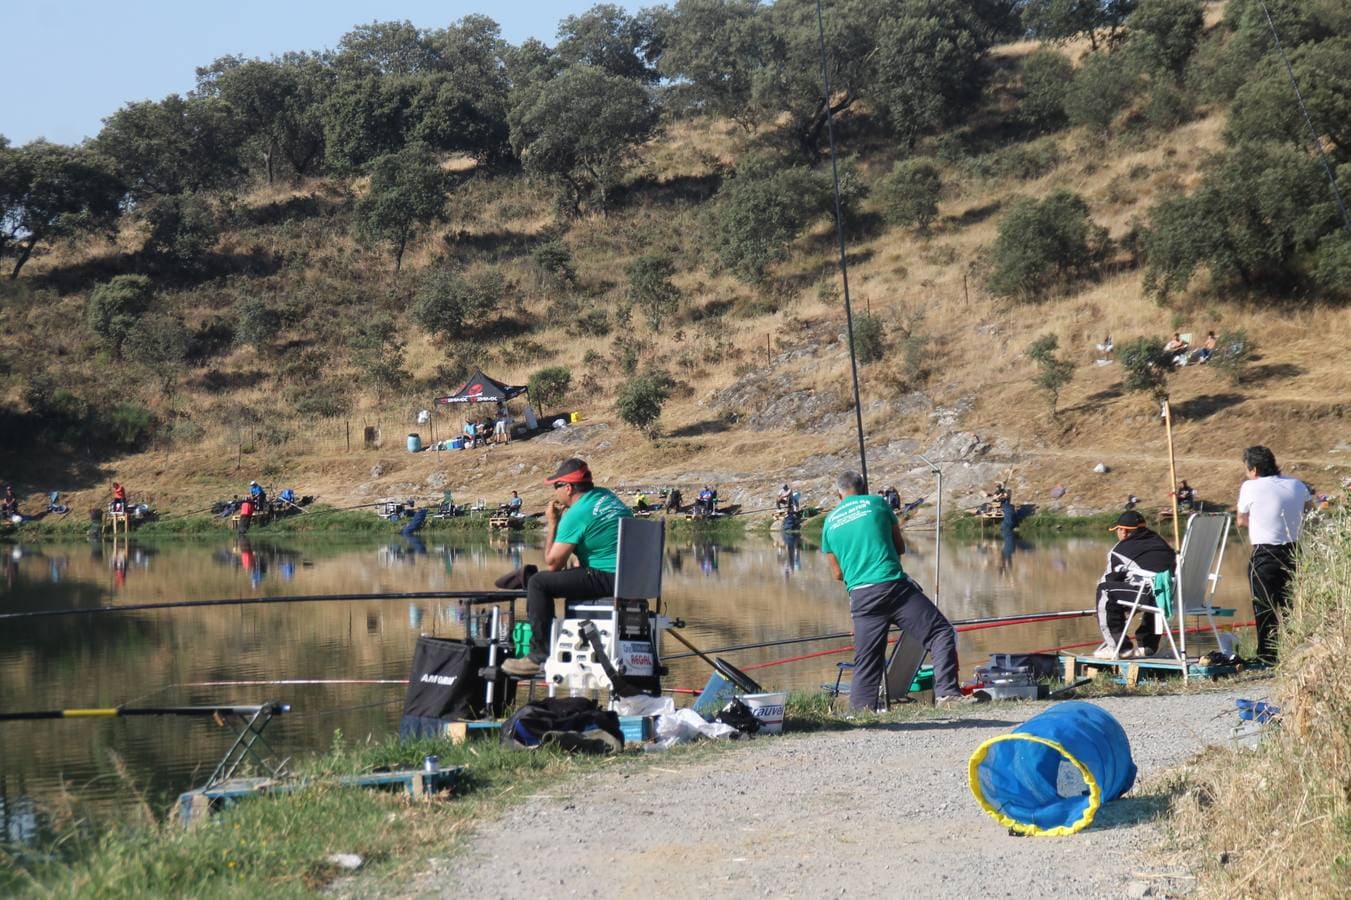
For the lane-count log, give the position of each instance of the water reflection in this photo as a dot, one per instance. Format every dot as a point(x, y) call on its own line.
point(728, 593)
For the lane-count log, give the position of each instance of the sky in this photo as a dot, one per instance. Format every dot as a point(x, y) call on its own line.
point(73, 62)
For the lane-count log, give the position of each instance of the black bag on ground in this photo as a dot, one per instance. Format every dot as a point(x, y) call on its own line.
point(445, 684)
point(739, 716)
point(574, 723)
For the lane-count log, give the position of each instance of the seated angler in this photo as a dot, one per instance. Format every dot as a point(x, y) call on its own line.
point(580, 520)
point(1139, 555)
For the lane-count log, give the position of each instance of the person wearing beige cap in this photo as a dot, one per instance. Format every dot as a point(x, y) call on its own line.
point(581, 520)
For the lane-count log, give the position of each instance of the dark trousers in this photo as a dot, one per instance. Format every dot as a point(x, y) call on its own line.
point(1269, 572)
point(1112, 615)
point(571, 584)
point(875, 609)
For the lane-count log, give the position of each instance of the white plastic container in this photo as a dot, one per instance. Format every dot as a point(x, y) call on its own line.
point(768, 708)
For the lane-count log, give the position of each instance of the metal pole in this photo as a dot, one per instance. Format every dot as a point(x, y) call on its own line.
point(1177, 538)
point(938, 527)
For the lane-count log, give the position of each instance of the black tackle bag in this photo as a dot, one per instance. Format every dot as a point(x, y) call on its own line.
point(445, 685)
point(573, 723)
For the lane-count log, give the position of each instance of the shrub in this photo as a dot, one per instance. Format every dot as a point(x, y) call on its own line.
point(1042, 244)
point(1332, 263)
point(595, 322)
point(640, 401)
point(114, 307)
point(758, 213)
point(1145, 366)
point(549, 386)
point(553, 266)
point(1164, 33)
point(909, 195)
point(1053, 373)
point(651, 290)
point(1047, 75)
point(160, 343)
point(183, 229)
point(448, 303)
point(869, 338)
point(1100, 90)
point(258, 324)
point(1234, 350)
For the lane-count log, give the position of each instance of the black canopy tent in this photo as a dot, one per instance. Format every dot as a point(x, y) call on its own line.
point(482, 389)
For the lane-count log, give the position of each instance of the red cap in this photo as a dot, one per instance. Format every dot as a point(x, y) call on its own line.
point(570, 471)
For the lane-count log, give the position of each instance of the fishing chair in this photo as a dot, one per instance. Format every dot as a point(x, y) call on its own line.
point(1192, 586)
point(902, 666)
point(627, 625)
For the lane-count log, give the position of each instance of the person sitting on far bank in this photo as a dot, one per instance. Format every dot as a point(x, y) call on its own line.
point(1272, 507)
point(1186, 496)
point(785, 498)
point(581, 520)
point(1138, 555)
point(1203, 353)
point(1106, 347)
point(1177, 349)
point(863, 545)
point(514, 504)
point(258, 496)
point(9, 507)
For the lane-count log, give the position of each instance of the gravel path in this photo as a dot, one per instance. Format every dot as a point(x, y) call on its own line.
point(872, 811)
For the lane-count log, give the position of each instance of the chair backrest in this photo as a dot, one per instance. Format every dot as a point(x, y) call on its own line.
point(1201, 546)
point(642, 544)
point(903, 666)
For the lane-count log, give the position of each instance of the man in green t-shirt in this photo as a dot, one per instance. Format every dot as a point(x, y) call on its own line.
point(581, 520)
point(863, 545)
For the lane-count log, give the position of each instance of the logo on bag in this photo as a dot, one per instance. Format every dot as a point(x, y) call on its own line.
point(768, 712)
point(443, 680)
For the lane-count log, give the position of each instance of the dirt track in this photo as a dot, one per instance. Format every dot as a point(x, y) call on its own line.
point(872, 811)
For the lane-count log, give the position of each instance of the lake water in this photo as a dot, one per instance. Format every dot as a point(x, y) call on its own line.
point(728, 593)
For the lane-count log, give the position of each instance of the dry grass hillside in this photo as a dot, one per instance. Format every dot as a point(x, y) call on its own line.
point(763, 392)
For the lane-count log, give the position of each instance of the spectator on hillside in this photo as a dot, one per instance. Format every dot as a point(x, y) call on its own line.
point(1106, 347)
point(1186, 496)
point(1177, 349)
point(1203, 353)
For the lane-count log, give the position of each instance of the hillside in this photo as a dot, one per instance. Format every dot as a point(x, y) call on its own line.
point(761, 391)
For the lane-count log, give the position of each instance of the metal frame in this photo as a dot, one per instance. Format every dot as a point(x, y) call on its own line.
point(252, 720)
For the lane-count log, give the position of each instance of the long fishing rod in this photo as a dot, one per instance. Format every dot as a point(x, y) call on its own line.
point(839, 234)
point(120, 712)
point(255, 601)
point(961, 624)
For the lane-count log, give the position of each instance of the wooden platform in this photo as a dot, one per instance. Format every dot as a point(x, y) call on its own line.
point(194, 807)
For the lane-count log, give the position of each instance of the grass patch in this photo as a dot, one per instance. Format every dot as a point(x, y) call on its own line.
point(1276, 821)
point(966, 525)
point(727, 528)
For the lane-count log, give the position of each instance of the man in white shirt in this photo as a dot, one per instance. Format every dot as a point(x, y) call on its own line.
point(1272, 508)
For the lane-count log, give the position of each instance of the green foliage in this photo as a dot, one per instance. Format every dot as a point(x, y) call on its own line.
point(1234, 350)
point(1047, 75)
point(115, 306)
point(1265, 107)
point(869, 338)
point(378, 353)
point(549, 386)
point(160, 343)
point(608, 38)
point(760, 211)
point(1058, 21)
point(99, 427)
point(1258, 214)
point(1168, 107)
point(1101, 88)
point(713, 50)
point(651, 290)
point(49, 192)
point(1164, 33)
point(553, 263)
point(1053, 373)
point(1332, 263)
point(183, 229)
point(580, 129)
point(175, 146)
point(909, 195)
point(258, 323)
point(407, 192)
point(640, 400)
point(929, 67)
point(1042, 244)
point(1145, 366)
point(594, 322)
point(448, 303)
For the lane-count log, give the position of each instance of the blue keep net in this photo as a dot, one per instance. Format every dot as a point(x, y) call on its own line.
point(1050, 775)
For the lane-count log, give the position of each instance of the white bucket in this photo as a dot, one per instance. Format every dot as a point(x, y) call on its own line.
point(768, 708)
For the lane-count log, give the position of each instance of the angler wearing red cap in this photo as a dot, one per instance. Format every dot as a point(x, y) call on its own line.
point(581, 520)
point(1139, 554)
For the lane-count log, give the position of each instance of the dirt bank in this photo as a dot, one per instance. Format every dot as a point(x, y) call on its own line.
point(877, 810)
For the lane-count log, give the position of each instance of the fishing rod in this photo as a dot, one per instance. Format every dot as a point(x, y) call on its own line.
point(120, 712)
point(960, 624)
point(255, 601)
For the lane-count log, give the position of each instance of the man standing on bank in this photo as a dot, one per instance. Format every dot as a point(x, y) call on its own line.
point(1272, 508)
point(863, 545)
point(580, 520)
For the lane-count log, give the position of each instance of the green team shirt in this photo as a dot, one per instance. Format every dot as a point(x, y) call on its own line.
point(591, 526)
point(858, 534)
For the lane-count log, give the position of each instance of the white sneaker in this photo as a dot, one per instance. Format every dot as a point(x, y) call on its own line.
point(1106, 651)
point(1137, 653)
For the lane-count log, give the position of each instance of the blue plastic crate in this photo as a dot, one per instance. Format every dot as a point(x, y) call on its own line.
point(637, 729)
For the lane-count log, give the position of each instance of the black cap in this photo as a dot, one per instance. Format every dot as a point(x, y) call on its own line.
point(570, 471)
point(1129, 519)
